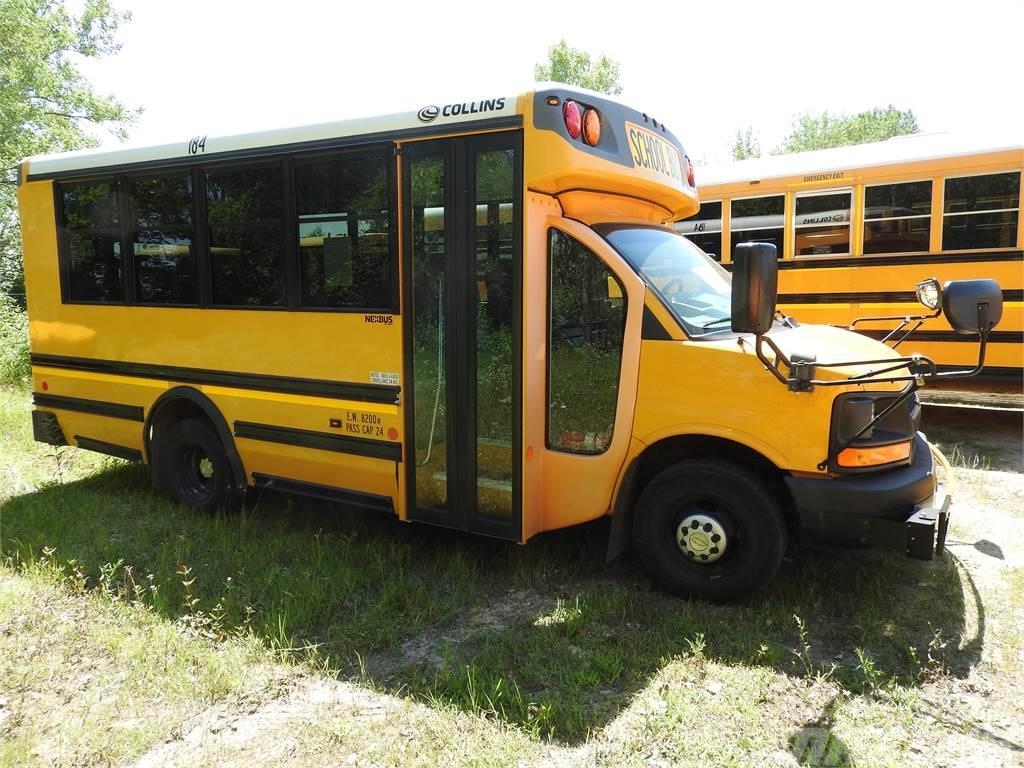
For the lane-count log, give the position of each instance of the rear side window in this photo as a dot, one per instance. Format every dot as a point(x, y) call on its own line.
point(705, 229)
point(91, 242)
point(162, 246)
point(344, 245)
point(244, 211)
point(822, 223)
point(759, 219)
point(981, 211)
point(587, 319)
point(897, 217)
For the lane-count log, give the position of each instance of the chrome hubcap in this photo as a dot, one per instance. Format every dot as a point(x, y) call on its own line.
point(701, 538)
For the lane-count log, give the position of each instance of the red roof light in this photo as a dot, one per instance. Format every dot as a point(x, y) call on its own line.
point(573, 118)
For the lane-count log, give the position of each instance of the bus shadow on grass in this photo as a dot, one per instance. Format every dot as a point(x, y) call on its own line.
point(548, 636)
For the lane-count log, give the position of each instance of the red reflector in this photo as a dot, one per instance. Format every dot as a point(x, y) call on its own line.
point(591, 127)
point(691, 178)
point(573, 119)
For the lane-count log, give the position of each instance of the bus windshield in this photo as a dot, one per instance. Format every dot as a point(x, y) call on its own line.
point(695, 288)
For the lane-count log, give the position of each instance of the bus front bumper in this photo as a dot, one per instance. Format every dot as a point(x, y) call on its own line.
point(903, 509)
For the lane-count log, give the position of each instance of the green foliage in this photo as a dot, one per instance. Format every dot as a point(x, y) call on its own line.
point(575, 67)
point(45, 102)
point(14, 364)
point(745, 145)
point(825, 130)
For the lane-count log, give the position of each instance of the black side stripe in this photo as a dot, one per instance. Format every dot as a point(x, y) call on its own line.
point(825, 262)
point(343, 390)
point(325, 441)
point(324, 492)
point(1000, 337)
point(96, 407)
point(101, 446)
point(869, 297)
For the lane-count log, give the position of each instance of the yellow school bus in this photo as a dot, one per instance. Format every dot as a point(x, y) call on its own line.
point(857, 226)
point(473, 315)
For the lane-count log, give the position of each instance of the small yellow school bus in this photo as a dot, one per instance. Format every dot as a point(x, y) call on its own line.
point(472, 315)
point(856, 227)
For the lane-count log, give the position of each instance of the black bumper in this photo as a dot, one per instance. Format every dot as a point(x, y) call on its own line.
point(900, 508)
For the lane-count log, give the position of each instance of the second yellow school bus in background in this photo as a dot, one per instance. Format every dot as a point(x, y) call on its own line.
point(856, 227)
point(473, 315)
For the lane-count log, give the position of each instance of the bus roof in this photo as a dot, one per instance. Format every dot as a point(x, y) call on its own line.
point(894, 151)
point(491, 112)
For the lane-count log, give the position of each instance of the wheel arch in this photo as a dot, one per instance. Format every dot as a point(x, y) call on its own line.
point(187, 402)
point(667, 451)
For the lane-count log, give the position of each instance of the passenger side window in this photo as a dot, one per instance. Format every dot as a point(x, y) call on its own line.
point(344, 243)
point(981, 212)
point(162, 239)
point(897, 217)
point(822, 223)
point(246, 236)
point(91, 242)
point(587, 318)
point(705, 229)
point(760, 220)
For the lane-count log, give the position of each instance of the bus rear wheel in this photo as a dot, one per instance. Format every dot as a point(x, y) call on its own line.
point(709, 529)
point(193, 465)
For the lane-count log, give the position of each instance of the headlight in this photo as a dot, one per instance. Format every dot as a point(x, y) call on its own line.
point(929, 293)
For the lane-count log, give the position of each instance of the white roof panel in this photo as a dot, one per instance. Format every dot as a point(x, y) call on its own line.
point(902, 149)
point(427, 118)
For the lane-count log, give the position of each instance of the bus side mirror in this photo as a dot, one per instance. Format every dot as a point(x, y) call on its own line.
point(972, 306)
point(755, 284)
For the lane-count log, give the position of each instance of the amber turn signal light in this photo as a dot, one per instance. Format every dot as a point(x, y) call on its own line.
point(591, 127)
point(874, 456)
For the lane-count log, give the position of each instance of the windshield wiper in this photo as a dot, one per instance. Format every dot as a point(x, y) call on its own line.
point(713, 323)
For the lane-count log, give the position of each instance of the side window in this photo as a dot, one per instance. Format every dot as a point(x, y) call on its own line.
point(587, 317)
point(161, 234)
point(344, 246)
point(91, 242)
point(759, 219)
point(246, 236)
point(897, 217)
point(705, 229)
point(822, 223)
point(981, 212)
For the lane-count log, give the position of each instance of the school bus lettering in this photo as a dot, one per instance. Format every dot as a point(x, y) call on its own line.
point(546, 347)
point(653, 153)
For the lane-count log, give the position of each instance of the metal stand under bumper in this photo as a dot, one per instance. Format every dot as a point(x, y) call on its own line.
point(922, 535)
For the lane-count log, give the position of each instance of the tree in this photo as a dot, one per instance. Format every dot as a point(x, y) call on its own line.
point(46, 105)
point(825, 130)
point(745, 145)
point(574, 67)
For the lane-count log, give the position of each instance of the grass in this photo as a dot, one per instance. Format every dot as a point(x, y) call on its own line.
point(507, 650)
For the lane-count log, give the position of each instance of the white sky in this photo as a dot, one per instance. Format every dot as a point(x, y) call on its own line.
point(705, 69)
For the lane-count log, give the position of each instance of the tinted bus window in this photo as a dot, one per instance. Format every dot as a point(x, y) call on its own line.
point(91, 242)
point(588, 318)
point(981, 211)
point(246, 238)
point(705, 229)
point(344, 243)
point(162, 239)
point(760, 220)
point(822, 223)
point(897, 217)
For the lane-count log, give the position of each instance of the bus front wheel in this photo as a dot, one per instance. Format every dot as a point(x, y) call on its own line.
point(709, 529)
point(193, 465)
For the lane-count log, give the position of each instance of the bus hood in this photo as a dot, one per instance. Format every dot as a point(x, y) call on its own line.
point(826, 344)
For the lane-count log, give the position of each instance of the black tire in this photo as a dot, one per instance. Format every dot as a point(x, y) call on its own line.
point(192, 466)
point(731, 498)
